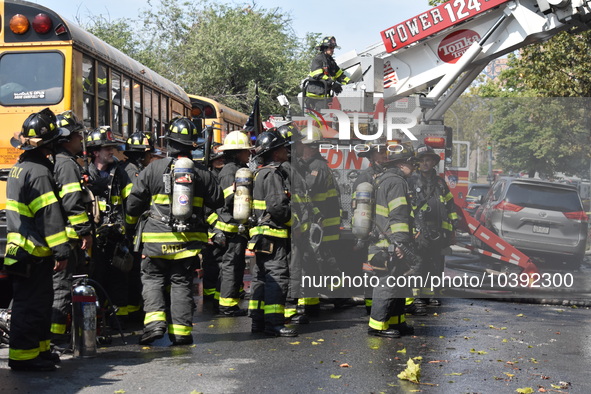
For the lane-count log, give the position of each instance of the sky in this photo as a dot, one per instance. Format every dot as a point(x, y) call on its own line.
point(356, 24)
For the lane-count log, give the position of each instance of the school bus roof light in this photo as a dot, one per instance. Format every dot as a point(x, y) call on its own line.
point(209, 111)
point(42, 23)
point(19, 24)
point(435, 142)
point(196, 112)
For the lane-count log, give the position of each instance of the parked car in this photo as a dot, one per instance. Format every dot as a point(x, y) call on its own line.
point(476, 191)
point(544, 220)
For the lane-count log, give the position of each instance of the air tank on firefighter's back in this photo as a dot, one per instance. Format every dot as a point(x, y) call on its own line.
point(242, 199)
point(363, 214)
point(182, 189)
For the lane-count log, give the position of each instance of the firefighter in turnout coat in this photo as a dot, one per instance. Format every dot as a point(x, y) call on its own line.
point(271, 237)
point(37, 244)
point(393, 223)
point(74, 200)
point(171, 243)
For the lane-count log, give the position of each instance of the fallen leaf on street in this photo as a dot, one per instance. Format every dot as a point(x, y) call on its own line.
point(412, 372)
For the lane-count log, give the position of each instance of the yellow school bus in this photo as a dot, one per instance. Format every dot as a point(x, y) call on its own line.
point(48, 61)
point(223, 119)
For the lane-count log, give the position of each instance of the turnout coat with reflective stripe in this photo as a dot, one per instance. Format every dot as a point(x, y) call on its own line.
point(271, 202)
point(158, 237)
point(324, 68)
point(34, 219)
point(68, 176)
point(393, 216)
point(325, 197)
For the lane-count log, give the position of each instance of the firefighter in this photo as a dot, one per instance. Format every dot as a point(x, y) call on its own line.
point(211, 254)
point(74, 200)
point(302, 258)
point(111, 257)
point(324, 194)
point(139, 148)
point(435, 217)
point(326, 77)
point(174, 193)
point(230, 234)
point(37, 244)
point(270, 237)
point(387, 256)
point(377, 154)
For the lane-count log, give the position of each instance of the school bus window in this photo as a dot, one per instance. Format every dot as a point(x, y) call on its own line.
point(33, 78)
point(155, 112)
point(163, 117)
point(88, 85)
point(147, 109)
point(137, 106)
point(116, 99)
point(126, 125)
point(103, 94)
point(177, 109)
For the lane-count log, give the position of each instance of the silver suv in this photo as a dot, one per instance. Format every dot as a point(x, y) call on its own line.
point(542, 219)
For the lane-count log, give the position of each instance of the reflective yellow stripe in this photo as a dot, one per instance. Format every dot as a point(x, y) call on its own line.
point(397, 319)
point(397, 202)
point(174, 237)
point(56, 239)
point(384, 243)
point(329, 238)
point(228, 191)
point(378, 325)
point(447, 197)
point(399, 227)
point(70, 188)
point(289, 222)
point(126, 190)
point(116, 200)
point(331, 222)
point(58, 328)
point(180, 255)
point(453, 216)
point(177, 329)
point(21, 355)
point(164, 199)
point(42, 201)
point(102, 205)
point(266, 230)
point(259, 204)
point(316, 72)
point(71, 233)
point(45, 345)
point(212, 218)
point(309, 301)
point(446, 226)
point(382, 210)
point(27, 245)
point(78, 219)
point(19, 207)
point(324, 196)
point(133, 308)
point(256, 305)
point(154, 316)
point(227, 227)
point(122, 311)
point(208, 292)
point(131, 219)
point(229, 301)
point(275, 308)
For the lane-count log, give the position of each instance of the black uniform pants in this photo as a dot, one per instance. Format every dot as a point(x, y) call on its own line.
point(62, 291)
point(270, 283)
point(232, 271)
point(387, 300)
point(212, 259)
point(31, 311)
point(157, 274)
point(113, 280)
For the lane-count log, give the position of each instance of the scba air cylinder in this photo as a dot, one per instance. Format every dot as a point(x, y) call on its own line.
point(183, 189)
point(362, 217)
point(84, 307)
point(242, 198)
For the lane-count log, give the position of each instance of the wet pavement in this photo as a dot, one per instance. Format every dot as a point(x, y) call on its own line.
point(465, 345)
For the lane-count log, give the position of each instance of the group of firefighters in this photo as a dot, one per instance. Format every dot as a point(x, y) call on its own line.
point(141, 228)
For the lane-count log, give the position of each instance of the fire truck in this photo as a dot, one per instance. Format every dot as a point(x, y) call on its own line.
point(404, 84)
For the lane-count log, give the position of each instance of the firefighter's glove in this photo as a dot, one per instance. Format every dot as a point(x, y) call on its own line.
point(219, 239)
point(337, 87)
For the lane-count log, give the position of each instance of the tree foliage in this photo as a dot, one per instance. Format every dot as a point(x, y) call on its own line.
point(217, 50)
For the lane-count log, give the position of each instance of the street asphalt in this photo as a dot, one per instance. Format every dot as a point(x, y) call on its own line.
point(465, 346)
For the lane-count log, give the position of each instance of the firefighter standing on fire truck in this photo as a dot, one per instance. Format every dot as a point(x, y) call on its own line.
point(326, 77)
point(74, 200)
point(393, 223)
point(435, 216)
point(37, 243)
point(174, 193)
point(230, 234)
